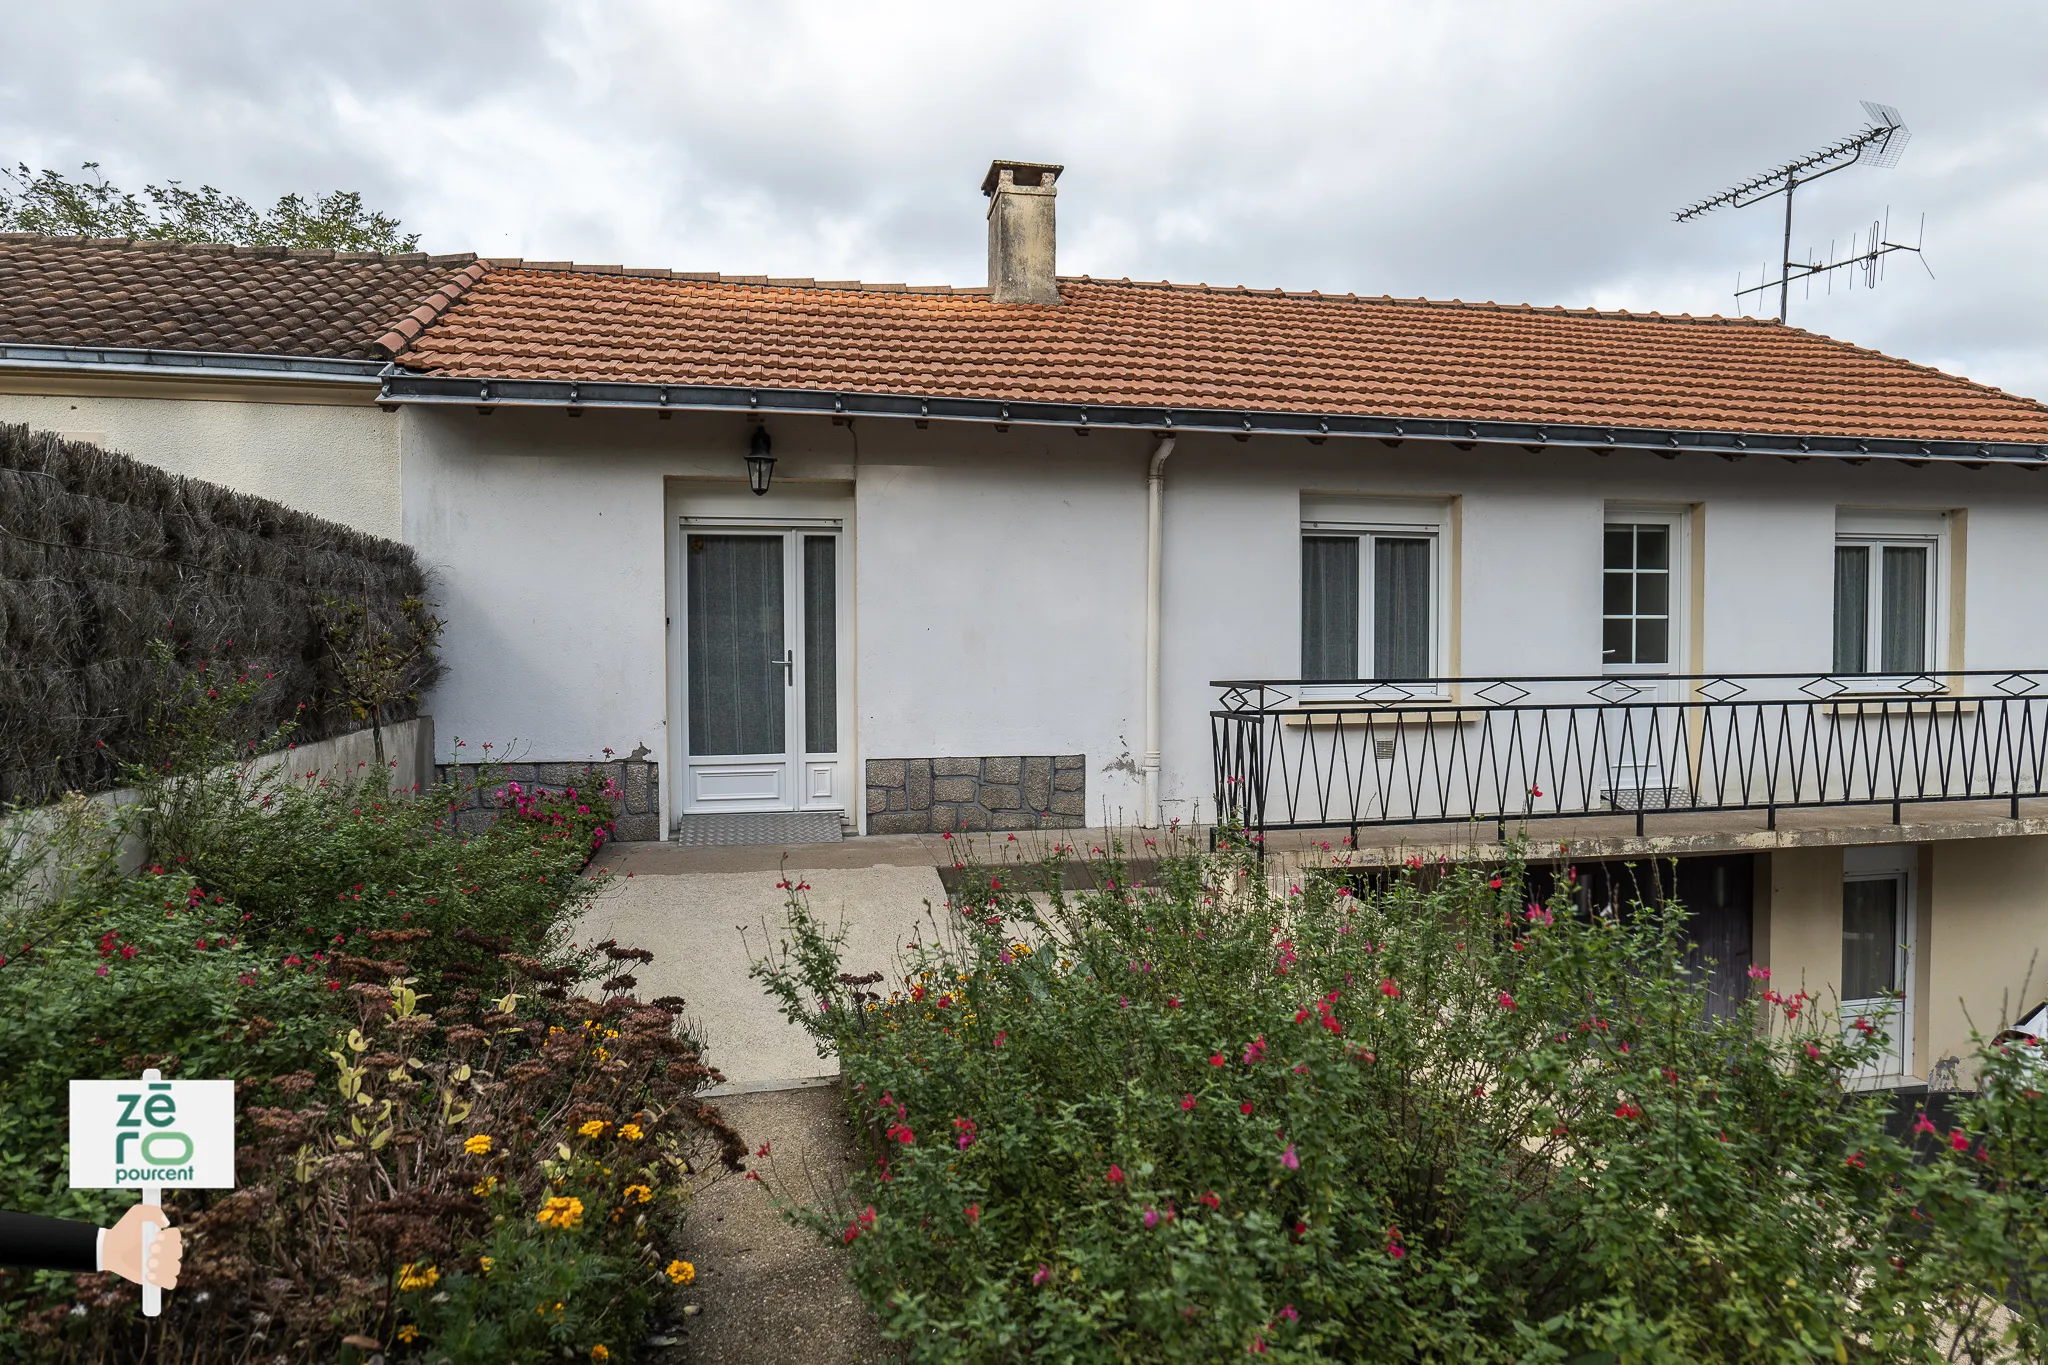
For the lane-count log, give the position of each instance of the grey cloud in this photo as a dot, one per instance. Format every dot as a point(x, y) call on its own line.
point(1513, 152)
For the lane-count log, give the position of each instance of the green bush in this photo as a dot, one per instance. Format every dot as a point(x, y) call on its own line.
point(1431, 1122)
point(385, 989)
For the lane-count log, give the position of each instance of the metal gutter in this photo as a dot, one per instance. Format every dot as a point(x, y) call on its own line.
point(136, 361)
point(400, 388)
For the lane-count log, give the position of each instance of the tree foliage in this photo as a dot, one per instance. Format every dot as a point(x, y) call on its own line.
point(50, 202)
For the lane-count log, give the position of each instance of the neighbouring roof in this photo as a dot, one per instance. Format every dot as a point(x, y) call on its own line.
point(1115, 342)
point(57, 291)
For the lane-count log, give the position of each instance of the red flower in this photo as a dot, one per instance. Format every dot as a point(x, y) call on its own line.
point(1854, 1159)
point(1390, 988)
point(1187, 1101)
point(1210, 1201)
point(1625, 1110)
point(1959, 1141)
point(1245, 1108)
point(1116, 1174)
point(1215, 1059)
point(1922, 1125)
point(974, 1214)
point(1507, 1002)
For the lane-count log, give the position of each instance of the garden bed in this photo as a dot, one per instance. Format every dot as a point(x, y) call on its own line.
point(462, 1137)
point(1428, 1120)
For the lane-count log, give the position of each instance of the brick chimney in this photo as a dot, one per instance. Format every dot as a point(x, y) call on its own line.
point(1020, 231)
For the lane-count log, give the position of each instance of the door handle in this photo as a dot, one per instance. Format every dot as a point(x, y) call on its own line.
point(787, 663)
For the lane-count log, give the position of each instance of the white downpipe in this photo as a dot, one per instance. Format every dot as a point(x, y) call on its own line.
point(1155, 529)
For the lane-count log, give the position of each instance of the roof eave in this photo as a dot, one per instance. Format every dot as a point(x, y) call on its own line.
point(133, 361)
point(406, 389)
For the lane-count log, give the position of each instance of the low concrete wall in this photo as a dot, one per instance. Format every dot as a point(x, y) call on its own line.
point(408, 752)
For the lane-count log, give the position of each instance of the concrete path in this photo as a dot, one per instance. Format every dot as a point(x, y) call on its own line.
point(768, 1292)
point(709, 914)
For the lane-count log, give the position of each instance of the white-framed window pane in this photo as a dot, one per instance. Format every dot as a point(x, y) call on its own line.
point(1400, 607)
point(1870, 937)
point(1635, 594)
point(1903, 612)
point(1852, 608)
point(1329, 607)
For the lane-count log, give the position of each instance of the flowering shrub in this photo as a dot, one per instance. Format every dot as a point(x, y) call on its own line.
point(448, 1152)
point(1428, 1122)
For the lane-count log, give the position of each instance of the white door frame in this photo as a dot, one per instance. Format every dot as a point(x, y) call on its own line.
point(802, 780)
point(1900, 863)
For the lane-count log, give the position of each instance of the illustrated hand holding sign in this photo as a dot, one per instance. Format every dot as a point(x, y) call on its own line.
point(143, 1135)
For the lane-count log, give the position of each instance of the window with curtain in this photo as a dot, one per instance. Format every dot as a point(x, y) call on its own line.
point(1635, 595)
point(1367, 605)
point(1883, 606)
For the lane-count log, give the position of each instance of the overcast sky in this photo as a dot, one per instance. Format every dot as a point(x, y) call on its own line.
point(1527, 152)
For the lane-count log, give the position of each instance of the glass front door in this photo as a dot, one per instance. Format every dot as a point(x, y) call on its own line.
point(761, 670)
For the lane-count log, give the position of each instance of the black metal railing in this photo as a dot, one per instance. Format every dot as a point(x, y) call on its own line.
point(1319, 755)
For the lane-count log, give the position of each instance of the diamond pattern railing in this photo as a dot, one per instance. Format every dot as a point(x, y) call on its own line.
point(1320, 755)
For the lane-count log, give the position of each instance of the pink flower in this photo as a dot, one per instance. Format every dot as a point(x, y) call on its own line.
point(1288, 1314)
point(1507, 1002)
point(1151, 1217)
point(1255, 1051)
point(1812, 1052)
point(1538, 915)
point(1922, 1125)
point(100, 970)
point(1042, 1274)
point(1759, 973)
point(1289, 1159)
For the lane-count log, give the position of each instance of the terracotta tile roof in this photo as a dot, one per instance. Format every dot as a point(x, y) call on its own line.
point(57, 291)
point(1118, 342)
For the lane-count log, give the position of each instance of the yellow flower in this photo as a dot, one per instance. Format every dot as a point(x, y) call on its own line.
point(611, 1033)
point(487, 1185)
point(603, 1056)
point(411, 1276)
point(477, 1144)
point(631, 1132)
point(594, 1128)
point(680, 1272)
point(637, 1194)
point(408, 1332)
point(599, 1354)
point(484, 1263)
point(562, 1211)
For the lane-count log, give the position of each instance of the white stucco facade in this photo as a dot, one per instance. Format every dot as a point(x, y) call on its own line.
point(997, 580)
point(328, 451)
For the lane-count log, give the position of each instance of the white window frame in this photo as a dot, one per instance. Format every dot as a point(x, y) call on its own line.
point(1900, 863)
point(1368, 519)
point(1877, 529)
point(1678, 520)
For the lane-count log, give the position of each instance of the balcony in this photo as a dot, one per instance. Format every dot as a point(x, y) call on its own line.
point(1621, 757)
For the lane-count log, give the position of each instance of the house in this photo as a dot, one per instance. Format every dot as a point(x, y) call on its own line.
point(1409, 578)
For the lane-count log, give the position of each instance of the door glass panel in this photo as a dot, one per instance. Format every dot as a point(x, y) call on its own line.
point(821, 645)
point(737, 684)
point(1870, 938)
point(1852, 608)
point(1400, 608)
point(1329, 607)
point(1905, 609)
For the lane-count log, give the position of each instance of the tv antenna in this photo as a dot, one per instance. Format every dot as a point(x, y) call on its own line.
point(1879, 142)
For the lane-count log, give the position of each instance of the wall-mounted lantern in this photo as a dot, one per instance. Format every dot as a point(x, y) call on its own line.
point(760, 464)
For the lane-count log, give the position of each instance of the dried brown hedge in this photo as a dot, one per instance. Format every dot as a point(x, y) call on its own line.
point(100, 555)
